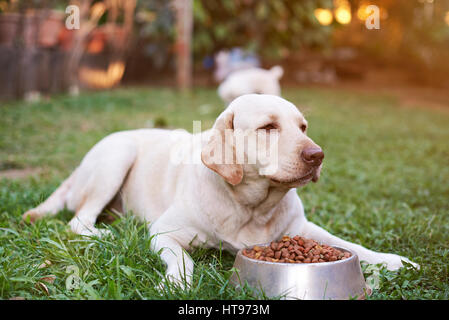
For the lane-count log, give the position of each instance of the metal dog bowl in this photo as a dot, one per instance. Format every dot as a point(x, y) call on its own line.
point(340, 280)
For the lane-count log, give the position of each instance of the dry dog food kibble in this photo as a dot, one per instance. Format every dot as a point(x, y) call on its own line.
point(295, 250)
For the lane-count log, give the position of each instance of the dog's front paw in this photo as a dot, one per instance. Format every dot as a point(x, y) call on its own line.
point(394, 262)
point(174, 279)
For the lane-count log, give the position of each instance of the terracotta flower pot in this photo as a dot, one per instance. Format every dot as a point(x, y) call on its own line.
point(66, 39)
point(97, 42)
point(50, 26)
point(47, 23)
point(8, 28)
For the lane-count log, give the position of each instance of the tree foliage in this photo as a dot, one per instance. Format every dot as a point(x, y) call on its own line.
point(270, 28)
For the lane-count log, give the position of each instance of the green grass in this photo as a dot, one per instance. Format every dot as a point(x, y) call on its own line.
point(384, 185)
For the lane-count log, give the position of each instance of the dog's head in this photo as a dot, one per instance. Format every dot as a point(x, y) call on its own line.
point(264, 135)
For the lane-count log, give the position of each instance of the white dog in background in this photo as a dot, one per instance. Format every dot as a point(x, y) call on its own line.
point(254, 80)
point(205, 203)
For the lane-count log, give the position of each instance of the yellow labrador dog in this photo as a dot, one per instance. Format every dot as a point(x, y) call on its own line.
point(253, 80)
point(195, 189)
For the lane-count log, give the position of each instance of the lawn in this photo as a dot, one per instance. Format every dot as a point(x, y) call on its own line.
point(385, 185)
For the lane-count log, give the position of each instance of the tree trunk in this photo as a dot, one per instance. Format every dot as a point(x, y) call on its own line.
point(184, 26)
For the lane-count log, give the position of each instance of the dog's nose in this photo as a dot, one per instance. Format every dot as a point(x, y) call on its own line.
point(313, 156)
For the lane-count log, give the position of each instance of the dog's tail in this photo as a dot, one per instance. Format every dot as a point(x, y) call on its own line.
point(277, 72)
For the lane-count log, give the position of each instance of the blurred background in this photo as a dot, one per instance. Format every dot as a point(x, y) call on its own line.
point(187, 43)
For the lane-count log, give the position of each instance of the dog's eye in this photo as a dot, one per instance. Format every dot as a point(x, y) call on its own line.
point(270, 126)
point(303, 128)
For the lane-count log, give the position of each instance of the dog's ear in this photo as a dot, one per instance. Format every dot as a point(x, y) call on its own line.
point(219, 153)
point(277, 72)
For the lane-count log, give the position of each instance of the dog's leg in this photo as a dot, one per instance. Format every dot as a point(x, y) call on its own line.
point(171, 237)
point(83, 223)
point(93, 184)
point(54, 203)
point(393, 261)
point(100, 178)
